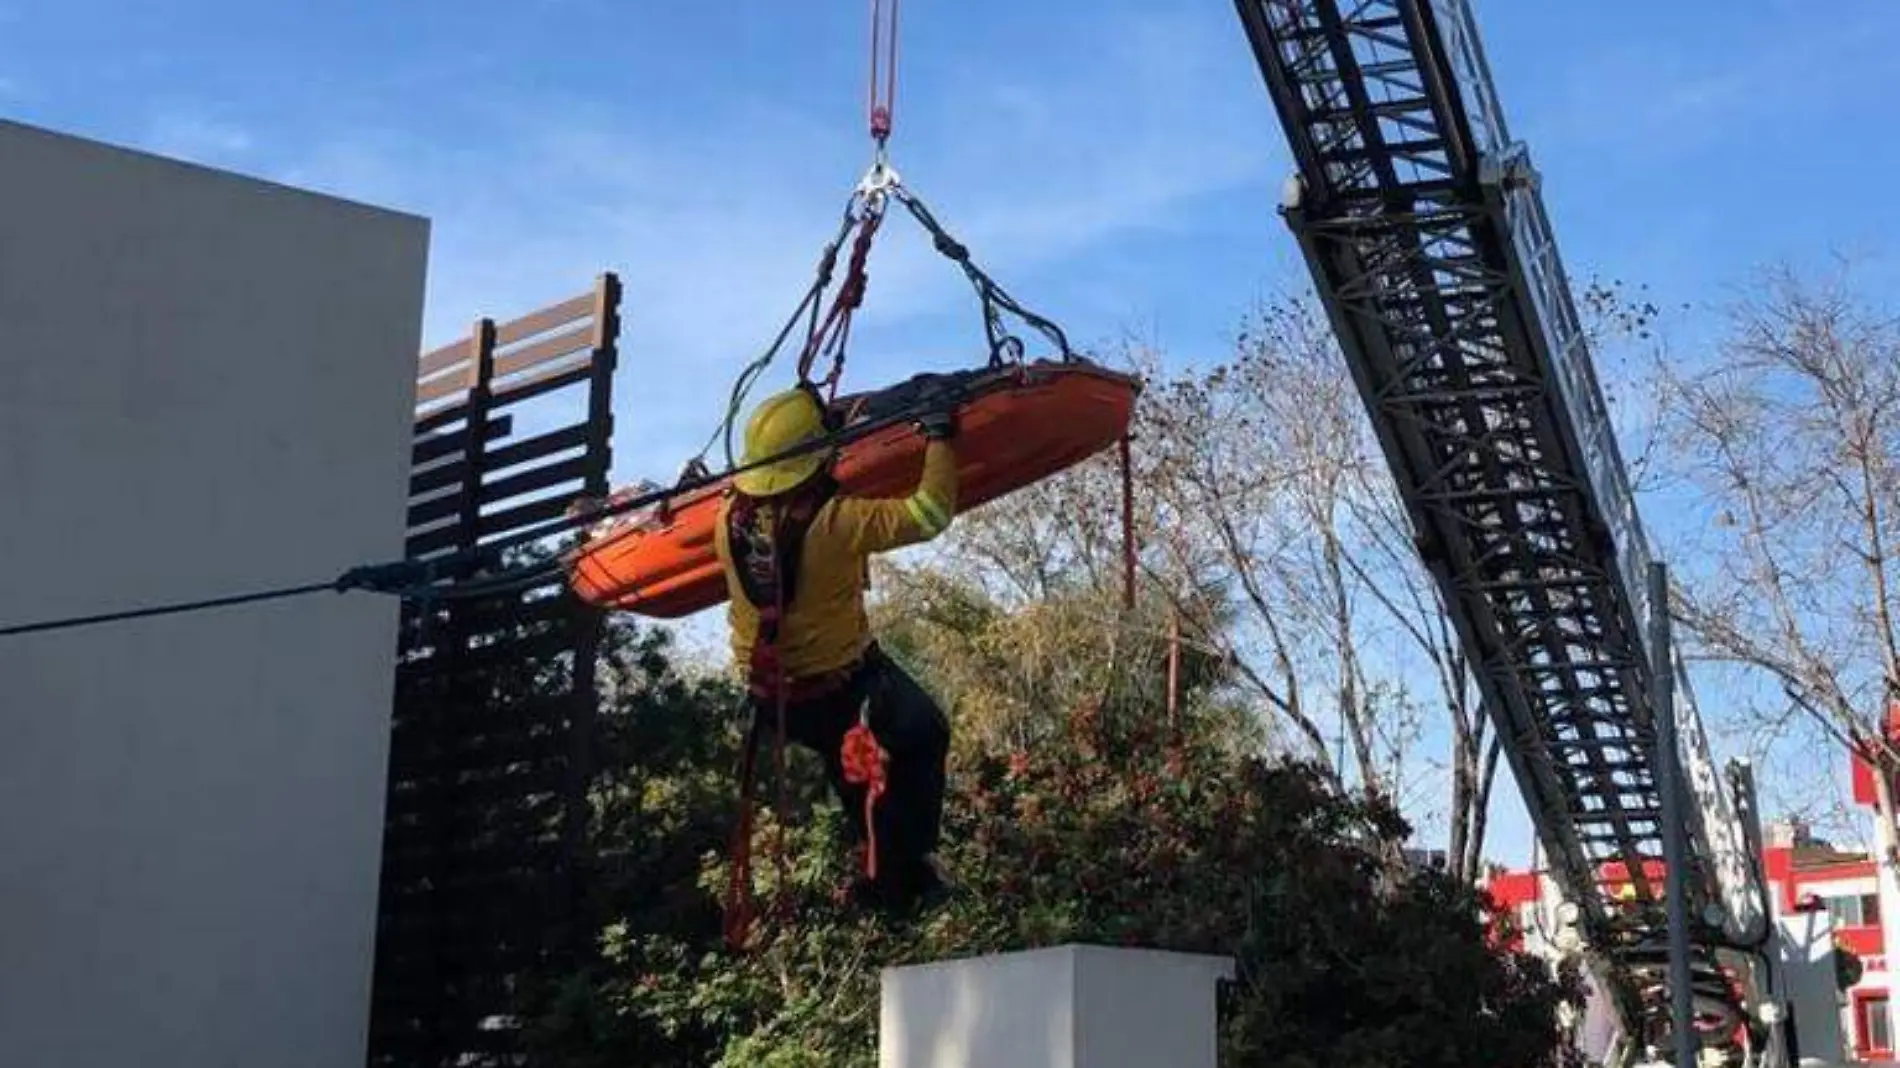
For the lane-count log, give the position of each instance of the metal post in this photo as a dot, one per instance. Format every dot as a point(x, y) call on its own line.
point(1782, 1045)
point(1674, 829)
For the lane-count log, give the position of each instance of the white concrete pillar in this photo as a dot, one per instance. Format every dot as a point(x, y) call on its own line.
point(1804, 948)
point(1074, 1006)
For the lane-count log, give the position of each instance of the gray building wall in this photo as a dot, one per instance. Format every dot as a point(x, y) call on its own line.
point(206, 386)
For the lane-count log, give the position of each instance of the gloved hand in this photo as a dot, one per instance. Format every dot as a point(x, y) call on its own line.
point(939, 426)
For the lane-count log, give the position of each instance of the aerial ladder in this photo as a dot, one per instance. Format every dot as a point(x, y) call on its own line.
point(1421, 222)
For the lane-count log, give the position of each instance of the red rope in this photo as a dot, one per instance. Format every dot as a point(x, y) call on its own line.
point(836, 327)
point(741, 905)
point(883, 50)
point(864, 765)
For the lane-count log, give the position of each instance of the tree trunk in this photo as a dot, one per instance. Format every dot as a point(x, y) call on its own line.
point(1481, 810)
point(1464, 791)
point(1353, 713)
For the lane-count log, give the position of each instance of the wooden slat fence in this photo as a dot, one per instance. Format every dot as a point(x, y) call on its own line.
point(484, 864)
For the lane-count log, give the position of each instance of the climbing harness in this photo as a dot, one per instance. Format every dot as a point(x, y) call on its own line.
point(827, 338)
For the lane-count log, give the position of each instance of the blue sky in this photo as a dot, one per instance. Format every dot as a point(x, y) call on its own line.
point(1116, 164)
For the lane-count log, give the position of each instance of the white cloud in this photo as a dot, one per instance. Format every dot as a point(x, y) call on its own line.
point(197, 137)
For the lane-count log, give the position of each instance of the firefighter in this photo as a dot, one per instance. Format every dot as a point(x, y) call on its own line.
point(794, 550)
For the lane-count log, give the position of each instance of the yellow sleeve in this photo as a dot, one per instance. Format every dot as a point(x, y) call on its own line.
point(879, 525)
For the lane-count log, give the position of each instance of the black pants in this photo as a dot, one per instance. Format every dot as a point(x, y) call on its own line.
point(916, 734)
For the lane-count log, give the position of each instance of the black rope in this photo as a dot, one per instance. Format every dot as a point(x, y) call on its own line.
point(417, 579)
point(279, 594)
point(991, 294)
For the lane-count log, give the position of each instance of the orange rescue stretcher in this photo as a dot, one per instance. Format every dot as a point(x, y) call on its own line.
point(1017, 424)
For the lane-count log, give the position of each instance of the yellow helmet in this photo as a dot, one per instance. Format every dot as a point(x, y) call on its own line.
point(783, 421)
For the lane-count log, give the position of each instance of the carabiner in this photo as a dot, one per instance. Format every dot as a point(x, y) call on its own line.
point(880, 179)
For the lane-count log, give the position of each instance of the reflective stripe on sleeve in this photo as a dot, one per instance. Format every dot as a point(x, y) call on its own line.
point(931, 516)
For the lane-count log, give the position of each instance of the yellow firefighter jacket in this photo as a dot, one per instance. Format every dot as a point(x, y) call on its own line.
point(824, 627)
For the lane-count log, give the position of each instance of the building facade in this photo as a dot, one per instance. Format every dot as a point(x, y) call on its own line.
point(210, 385)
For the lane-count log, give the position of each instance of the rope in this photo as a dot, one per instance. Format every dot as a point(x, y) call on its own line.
point(865, 763)
point(741, 908)
point(821, 335)
point(884, 49)
point(813, 300)
point(282, 593)
point(411, 578)
point(833, 334)
point(991, 295)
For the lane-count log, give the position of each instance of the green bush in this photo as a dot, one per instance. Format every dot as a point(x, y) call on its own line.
point(1109, 832)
